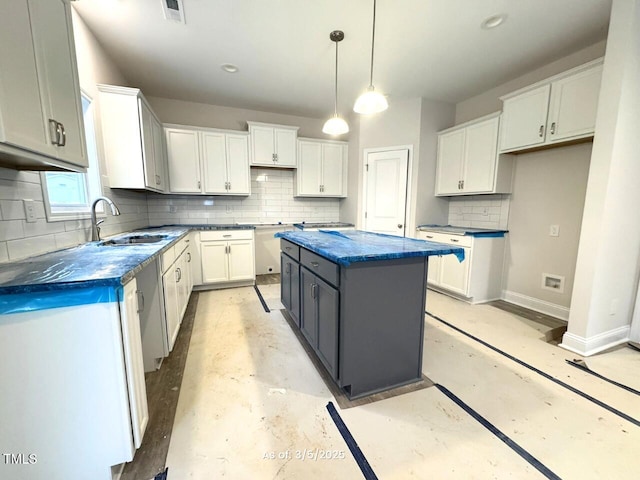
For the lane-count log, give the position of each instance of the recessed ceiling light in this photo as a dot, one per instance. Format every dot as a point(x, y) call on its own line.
point(493, 21)
point(229, 67)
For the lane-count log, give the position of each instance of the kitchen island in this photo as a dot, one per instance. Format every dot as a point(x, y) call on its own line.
point(359, 300)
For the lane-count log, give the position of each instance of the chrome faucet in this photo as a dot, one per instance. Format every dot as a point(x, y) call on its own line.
point(95, 229)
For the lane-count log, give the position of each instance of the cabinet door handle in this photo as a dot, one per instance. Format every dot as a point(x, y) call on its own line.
point(140, 295)
point(178, 275)
point(288, 269)
point(541, 131)
point(188, 257)
point(276, 157)
point(63, 135)
point(54, 132)
point(429, 236)
point(313, 291)
point(199, 185)
point(226, 236)
point(553, 128)
point(454, 240)
point(229, 248)
point(229, 185)
point(315, 264)
point(157, 179)
point(462, 184)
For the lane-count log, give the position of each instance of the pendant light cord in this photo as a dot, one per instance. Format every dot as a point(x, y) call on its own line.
point(373, 40)
point(336, 96)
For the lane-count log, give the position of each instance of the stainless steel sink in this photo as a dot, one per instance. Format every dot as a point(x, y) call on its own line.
point(133, 240)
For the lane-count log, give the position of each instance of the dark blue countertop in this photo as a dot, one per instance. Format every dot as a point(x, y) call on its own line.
point(471, 231)
point(205, 226)
point(349, 246)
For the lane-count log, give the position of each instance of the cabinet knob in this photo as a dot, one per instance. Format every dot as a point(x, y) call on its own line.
point(400, 225)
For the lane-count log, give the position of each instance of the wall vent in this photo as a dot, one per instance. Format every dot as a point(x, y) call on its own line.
point(553, 282)
point(173, 10)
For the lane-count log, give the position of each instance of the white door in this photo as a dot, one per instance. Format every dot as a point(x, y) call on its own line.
point(386, 191)
point(285, 147)
point(183, 155)
point(574, 104)
point(450, 157)
point(332, 167)
point(524, 119)
point(480, 156)
point(238, 173)
point(310, 169)
point(241, 264)
point(214, 162)
point(215, 267)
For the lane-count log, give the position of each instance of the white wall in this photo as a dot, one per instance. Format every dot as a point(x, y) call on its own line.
point(549, 189)
point(350, 206)
point(19, 239)
point(608, 264)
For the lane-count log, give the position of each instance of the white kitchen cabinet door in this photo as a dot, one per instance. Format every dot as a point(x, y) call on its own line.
point(332, 169)
point(434, 268)
point(55, 54)
point(170, 285)
point(285, 147)
point(189, 269)
point(238, 172)
point(481, 144)
point(574, 105)
point(454, 275)
point(132, 342)
point(215, 267)
point(146, 129)
point(159, 154)
point(183, 154)
point(262, 145)
point(524, 119)
point(309, 173)
point(450, 157)
point(182, 285)
point(241, 262)
point(214, 162)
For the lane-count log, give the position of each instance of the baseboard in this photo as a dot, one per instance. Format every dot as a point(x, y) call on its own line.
point(597, 343)
point(548, 308)
point(220, 286)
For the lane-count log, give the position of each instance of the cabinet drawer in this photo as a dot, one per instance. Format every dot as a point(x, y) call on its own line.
point(211, 235)
point(168, 257)
point(320, 266)
point(459, 240)
point(181, 245)
point(290, 249)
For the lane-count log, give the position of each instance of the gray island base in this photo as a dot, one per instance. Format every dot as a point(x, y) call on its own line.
point(358, 299)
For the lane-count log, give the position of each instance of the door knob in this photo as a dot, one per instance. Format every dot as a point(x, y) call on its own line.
point(399, 225)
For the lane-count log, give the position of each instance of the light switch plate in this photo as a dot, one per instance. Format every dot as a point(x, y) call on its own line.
point(30, 211)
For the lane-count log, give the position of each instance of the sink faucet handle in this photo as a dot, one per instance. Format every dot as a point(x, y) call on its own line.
point(98, 222)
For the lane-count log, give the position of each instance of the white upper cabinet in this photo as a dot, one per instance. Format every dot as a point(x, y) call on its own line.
point(468, 161)
point(133, 144)
point(273, 145)
point(322, 168)
point(40, 108)
point(208, 161)
point(560, 109)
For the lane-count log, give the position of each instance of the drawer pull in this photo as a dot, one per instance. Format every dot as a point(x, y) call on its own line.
point(287, 248)
point(429, 236)
point(315, 264)
point(455, 240)
point(226, 236)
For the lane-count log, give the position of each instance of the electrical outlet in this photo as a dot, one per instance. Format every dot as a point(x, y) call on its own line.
point(229, 210)
point(485, 211)
point(173, 209)
point(30, 211)
point(554, 230)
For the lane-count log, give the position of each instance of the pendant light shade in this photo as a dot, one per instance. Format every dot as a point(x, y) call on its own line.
point(336, 125)
point(371, 101)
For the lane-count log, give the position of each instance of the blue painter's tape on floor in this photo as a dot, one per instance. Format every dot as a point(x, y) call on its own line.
point(584, 395)
point(510, 443)
point(366, 469)
point(264, 304)
point(583, 366)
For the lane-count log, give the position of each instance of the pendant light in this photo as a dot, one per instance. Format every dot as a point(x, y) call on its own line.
point(336, 125)
point(371, 101)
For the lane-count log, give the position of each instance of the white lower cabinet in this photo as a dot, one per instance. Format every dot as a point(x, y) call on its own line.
point(177, 286)
point(227, 256)
point(478, 278)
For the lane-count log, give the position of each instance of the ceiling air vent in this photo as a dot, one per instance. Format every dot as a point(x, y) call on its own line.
point(173, 10)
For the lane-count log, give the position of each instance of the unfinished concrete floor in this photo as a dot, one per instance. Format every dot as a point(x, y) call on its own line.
point(252, 404)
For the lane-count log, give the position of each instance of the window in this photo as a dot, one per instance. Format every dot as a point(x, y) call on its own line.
point(67, 195)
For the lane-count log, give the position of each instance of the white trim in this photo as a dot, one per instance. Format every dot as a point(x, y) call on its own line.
point(597, 343)
point(548, 308)
point(409, 213)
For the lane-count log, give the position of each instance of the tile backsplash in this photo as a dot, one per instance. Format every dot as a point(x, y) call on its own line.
point(481, 211)
point(271, 201)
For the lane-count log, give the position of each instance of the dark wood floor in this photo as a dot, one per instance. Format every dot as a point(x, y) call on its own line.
point(558, 327)
point(163, 390)
point(268, 279)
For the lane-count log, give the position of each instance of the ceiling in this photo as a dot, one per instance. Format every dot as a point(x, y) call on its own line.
point(424, 48)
